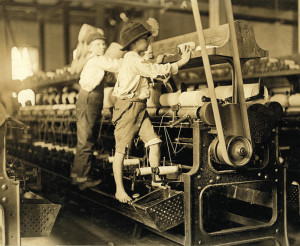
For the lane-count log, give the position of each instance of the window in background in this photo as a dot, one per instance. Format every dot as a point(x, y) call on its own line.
point(25, 62)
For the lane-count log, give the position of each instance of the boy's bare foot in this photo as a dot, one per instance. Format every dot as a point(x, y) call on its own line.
point(122, 197)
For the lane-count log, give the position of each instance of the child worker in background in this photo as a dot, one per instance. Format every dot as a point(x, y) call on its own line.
point(132, 90)
point(89, 106)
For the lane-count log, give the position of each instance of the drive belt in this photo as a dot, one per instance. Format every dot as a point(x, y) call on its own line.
point(238, 92)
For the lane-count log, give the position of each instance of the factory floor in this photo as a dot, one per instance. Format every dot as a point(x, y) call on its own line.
point(100, 226)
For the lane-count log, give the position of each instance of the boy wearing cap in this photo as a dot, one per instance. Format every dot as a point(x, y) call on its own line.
point(89, 107)
point(132, 90)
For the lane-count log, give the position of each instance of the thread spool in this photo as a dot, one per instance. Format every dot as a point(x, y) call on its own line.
point(144, 171)
point(164, 112)
point(169, 99)
point(280, 98)
point(253, 91)
point(58, 98)
point(166, 170)
point(51, 98)
point(223, 92)
point(193, 112)
point(70, 106)
point(294, 100)
point(280, 90)
point(38, 99)
point(293, 111)
point(59, 107)
point(64, 98)
point(109, 100)
point(126, 162)
point(250, 90)
point(192, 98)
point(190, 45)
point(72, 97)
point(131, 162)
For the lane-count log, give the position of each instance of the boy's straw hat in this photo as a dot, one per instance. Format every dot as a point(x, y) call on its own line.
point(131, 32)
point(114, 51)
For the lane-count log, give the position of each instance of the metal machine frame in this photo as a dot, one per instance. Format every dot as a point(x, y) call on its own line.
point(10, 198)
point(207, 187)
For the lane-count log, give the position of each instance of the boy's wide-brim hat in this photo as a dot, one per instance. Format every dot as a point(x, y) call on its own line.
point(114, 51)
point(131, 32)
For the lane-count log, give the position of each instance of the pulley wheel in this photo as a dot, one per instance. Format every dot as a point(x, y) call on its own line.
point(239, 150)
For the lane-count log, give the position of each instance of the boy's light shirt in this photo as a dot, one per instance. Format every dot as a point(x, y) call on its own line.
point(133, 76)
point(94, 70)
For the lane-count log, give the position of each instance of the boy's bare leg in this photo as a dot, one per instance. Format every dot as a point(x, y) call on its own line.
point(154, 159)
point(154, 155)
point(121, 194)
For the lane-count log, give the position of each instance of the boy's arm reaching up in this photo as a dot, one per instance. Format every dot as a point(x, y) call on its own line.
point(151, 70)
point(108, 64)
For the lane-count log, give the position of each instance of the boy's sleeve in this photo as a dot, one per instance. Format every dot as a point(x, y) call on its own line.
point(108, 64)
point(152, 70)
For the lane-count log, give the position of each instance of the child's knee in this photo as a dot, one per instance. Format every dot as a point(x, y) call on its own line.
point(153, 142)
point(155, 146)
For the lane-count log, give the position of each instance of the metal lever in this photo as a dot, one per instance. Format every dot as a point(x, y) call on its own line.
point(4, 117)
point(187, 117)
point(17, 122)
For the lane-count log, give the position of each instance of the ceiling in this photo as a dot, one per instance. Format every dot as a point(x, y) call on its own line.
point(85, 9)
point(269, 4)
point(273, 4)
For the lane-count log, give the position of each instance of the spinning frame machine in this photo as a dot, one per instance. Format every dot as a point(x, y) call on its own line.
point(225, 181)
point(23, 213)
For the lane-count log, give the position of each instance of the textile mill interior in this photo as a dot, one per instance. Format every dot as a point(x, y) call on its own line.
point(150, 122)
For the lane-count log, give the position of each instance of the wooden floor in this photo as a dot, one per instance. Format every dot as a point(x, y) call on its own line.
point(100, 226)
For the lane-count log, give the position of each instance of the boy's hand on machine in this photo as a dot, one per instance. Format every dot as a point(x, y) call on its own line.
point(185, 57)
point(186, 54)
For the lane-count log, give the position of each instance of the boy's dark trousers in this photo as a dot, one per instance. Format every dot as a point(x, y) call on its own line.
point(88, 112)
